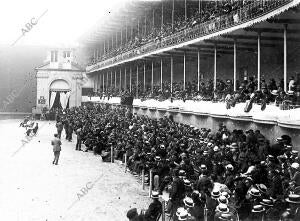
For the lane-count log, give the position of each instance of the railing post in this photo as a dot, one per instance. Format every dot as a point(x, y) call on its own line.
point(143, 179)
point(125, 162)
point(163, 215)
point(205, 212)
point(150, 183)
point(112, 154)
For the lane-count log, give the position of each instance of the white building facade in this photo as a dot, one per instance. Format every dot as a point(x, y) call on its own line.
point(60, 80)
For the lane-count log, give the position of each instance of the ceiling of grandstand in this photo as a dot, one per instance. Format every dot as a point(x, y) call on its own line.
point(131, 12)
point(271, 34)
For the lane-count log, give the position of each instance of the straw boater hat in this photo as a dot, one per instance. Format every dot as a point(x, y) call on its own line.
point(262, 188)
point(226, 216)
point(188, 202)
point(229, 167)
point(155, 195)
point(258, 209)
point(267, 202)
point(182, 213)
point(180, 210)
point(187, 183)
point(181, 174)
point(215, 194)
point(157, 158)
point(226, 194)
point(205, 152)
point(223, 208)
point(203, 167)
point(223, 199)
point(293, 198)
point(254, 192)
point(295, 165)
point(274, 92)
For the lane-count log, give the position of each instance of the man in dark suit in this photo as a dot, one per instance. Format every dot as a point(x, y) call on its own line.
point(154, 209)
point(56, 143)
point(59, 127)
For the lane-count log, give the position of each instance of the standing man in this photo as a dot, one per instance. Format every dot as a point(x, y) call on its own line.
point(59, 127)
point(56, 143)
point(79, 134)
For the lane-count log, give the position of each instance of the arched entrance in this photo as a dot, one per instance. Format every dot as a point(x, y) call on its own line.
point(59, 94)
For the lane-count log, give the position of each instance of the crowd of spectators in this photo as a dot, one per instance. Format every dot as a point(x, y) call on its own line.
point(270, 92)
point(210, 10)
point(226, 172)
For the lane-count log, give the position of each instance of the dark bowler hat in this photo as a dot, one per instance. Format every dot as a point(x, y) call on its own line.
point(132, 213)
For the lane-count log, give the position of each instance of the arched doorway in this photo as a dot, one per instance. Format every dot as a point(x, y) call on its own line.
point(59, 94)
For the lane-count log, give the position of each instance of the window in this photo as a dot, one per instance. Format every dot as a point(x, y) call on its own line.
point(53, 56)
point(66, 54)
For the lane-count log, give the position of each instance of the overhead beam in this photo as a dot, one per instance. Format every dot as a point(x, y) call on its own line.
point(284, 20)
point(241, 43)
point(273, 30)
point(266, 38)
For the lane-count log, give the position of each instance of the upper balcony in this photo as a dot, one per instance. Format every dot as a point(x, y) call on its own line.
point(247, 15)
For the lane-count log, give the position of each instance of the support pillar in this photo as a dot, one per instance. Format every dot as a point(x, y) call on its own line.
point(162, 14)
point(144, 76)
point(198, 70)
point(152, 76)
point(116, 79)
point(106, 80)
point(185, 10)
point(120, 80)
point(258, 61)
point(137, 81)
point(161, 73)
point(125, 79)
point(103, 85)
point(234, 65)
point(111, 79)
point(172, 72)
point(173, 7)
point(215, 68)
point(130, 79)
point(184, 70)
point(285, 58)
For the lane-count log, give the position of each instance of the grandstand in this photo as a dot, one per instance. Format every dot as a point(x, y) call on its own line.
point(203, 62)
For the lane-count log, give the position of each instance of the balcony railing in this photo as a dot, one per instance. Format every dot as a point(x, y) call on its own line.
point(244, 14)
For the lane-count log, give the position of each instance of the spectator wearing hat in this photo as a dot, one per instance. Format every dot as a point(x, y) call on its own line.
point(293, 212)
point(187, 187)
point(257, 213)
point(221, 209)
point(154, 209)
point(275, 181)
point(226, 217)
point(229, 177)
point(189, 206)
point(183, 215)
point(198, 210)
point(177, 192)
point(277, 148)
point(133, 215)
point(295, 174)
point(272, 213)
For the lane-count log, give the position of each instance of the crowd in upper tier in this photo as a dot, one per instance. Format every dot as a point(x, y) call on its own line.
point(228, 172)
point(210, 10)
point(271, 91)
